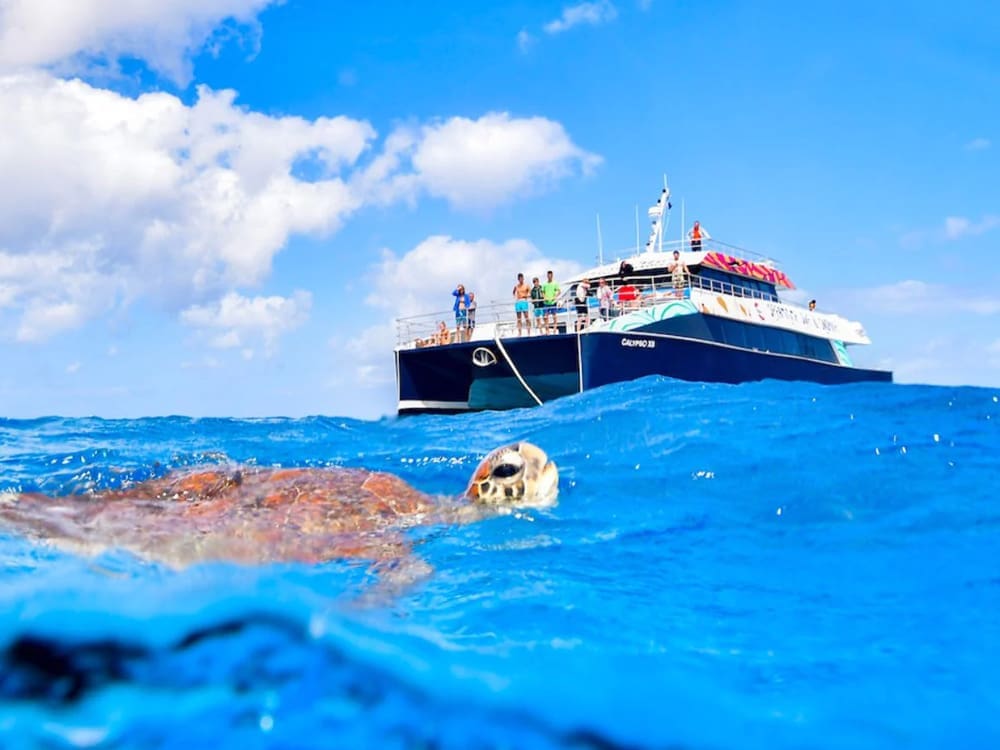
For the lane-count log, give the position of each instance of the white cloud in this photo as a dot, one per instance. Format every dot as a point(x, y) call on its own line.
point(420, 283)
point(206, 363)
point(106, 199)
point(947, 360)
point(956, 227)
point(367, 366)
point(52, 291)
point(237, 321)
point(953, 228)
point(42, 320)
point(478, 164)
point(918, 297)
point(978, 144)
point(422, 280)
point(75, 35)
point(524, 40)
point(73, 367)
point(592, 13)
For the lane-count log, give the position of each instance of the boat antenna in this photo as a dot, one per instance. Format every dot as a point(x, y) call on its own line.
point(655, 213)
point(600, 243)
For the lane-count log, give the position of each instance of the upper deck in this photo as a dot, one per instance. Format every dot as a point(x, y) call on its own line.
point(717, 273)
point(739, 262)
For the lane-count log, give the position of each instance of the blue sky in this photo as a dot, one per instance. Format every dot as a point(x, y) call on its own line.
point(217, 207)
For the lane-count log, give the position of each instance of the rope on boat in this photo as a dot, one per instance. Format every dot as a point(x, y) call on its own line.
point(513, 368)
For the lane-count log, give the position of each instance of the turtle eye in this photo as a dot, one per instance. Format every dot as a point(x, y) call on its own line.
point(506, 470)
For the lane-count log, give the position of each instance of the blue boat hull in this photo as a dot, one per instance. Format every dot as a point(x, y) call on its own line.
point(615, 357)
point(532, 369)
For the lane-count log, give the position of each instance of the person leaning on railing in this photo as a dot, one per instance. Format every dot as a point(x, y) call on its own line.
point(440, 337)
point(628, 296)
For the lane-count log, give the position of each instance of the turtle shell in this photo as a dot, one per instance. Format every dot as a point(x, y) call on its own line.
point(247, 515)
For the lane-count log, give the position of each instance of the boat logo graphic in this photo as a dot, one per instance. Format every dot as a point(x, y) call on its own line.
point(483, 357)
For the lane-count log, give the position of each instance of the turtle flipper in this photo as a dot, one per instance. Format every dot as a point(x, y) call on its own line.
point(60, 521)
point(393, 579)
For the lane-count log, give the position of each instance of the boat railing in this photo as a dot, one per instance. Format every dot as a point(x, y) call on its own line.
point(727, 287)
point(652, 288)
point(491, 318)
point(707, 245)
point(498, 319)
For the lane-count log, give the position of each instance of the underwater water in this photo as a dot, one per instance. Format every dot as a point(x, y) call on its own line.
point(766, 565)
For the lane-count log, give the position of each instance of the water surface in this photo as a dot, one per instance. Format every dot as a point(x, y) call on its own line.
point(764, 565)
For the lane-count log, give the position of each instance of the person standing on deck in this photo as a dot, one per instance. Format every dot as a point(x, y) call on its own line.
point(538, 301)
point(461, 309)
point(551, 291)
point(522, 293)
point(678, 274)
point(582, 305)
point(696, 235)
point(604, 296)
point(472, 316)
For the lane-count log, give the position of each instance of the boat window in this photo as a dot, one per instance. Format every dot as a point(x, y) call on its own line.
point(761, 338)
point(736, 335)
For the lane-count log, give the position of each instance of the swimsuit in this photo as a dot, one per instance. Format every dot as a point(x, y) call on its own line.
point(461, 309)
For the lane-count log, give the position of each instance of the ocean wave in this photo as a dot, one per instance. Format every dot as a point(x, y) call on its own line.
point(763, 565)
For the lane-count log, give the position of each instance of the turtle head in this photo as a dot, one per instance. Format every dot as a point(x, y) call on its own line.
point(518, 476)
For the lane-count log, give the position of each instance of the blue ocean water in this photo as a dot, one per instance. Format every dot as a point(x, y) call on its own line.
point(765, 565)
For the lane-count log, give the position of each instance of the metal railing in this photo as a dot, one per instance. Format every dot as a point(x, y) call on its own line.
point(707, 245)
point(497, 318)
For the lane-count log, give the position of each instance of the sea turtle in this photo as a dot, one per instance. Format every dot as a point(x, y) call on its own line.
point(260, 515)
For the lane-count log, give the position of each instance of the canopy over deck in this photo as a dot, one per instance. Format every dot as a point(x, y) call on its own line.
point(735, 264)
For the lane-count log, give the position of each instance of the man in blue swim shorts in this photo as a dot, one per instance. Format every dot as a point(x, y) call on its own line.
point(550, 293)
point(522, 295)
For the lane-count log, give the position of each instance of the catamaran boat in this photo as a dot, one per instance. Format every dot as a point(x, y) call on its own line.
point(719, 319)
